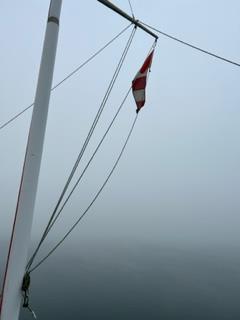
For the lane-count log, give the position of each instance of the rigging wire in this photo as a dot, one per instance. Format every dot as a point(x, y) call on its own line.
point(100, 110)
point(131, 8)
point(191, 45)
point(70, 74)
point(90, 160)
point(94, 55)
point(92, 202)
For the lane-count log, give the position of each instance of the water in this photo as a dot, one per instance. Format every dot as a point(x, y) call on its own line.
point(138, 281)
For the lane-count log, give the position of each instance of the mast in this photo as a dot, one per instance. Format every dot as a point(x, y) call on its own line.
point(18, 248)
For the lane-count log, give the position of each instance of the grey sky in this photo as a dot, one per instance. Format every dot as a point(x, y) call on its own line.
point(179, 178)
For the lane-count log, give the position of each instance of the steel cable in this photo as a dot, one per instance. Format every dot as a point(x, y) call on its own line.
point(92, 202)
point(191, 45)
point(70, 74)
point(97, 117)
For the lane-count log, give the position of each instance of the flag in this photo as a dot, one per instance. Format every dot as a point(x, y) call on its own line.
point(140, 81)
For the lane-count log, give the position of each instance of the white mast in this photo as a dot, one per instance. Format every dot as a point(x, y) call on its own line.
point(20, 239)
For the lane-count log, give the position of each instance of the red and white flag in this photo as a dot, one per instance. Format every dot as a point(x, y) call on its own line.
point(140, 81)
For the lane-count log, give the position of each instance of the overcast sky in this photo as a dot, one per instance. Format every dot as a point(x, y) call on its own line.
point(178, 180)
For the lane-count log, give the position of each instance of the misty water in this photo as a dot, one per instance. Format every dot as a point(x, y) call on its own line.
point(133, 280)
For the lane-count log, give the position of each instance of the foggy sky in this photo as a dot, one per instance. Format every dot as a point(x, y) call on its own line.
point(179, 178)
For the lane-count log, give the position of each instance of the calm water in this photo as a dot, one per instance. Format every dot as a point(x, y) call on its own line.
point(138, 282)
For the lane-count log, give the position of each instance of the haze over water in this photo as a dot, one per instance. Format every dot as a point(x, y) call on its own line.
point(162, 241)
point(137, 281)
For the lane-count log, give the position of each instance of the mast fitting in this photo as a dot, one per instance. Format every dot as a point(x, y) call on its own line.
point(54, 20)
point(136, 22)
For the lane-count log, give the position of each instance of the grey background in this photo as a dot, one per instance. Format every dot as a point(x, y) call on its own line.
point(173, 200)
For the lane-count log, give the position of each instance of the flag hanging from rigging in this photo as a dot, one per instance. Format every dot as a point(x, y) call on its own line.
point(140, 81)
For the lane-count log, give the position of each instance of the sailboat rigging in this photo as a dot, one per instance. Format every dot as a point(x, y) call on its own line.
point(17, 282)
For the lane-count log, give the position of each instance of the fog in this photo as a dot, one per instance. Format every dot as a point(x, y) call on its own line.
point(177, 183)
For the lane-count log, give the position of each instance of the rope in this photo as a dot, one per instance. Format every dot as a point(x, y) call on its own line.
point(69, 75)
point(92, 202)
point(191, 45)
point(101, 108)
